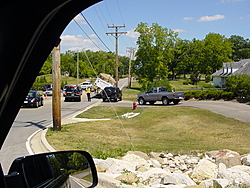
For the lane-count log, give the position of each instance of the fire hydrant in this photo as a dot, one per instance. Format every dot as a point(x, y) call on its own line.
point(134, 105)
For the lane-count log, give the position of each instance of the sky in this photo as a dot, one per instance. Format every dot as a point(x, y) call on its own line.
point(190, 18)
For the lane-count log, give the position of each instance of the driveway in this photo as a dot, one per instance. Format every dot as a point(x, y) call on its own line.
point(235, 110)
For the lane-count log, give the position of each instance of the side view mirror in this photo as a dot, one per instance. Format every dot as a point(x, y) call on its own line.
point(54, 169)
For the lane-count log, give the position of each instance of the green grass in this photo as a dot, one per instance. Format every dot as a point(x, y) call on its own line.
point(178, 84)
point(168, 129)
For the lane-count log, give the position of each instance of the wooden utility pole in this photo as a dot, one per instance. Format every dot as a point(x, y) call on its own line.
point(116, 34)
point(56, 89)
point(131, 52)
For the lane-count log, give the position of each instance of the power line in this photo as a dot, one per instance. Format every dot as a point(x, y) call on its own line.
point(87, 35)
point(95, 32)
point(101, 21)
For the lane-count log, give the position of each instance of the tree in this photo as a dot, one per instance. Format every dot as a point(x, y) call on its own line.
point(217, 50)
point(241, 47)
point(47, 66)
point(154, 52)
point(180, 56)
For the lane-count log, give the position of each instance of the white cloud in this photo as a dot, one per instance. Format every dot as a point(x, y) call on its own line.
point(187, 18)
point(77, 42)
point(133, 34)
point(211, 18)
point(179, 30)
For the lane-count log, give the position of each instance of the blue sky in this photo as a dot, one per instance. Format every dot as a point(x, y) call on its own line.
point(190, 18)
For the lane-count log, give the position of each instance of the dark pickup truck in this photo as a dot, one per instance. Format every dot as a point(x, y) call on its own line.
point(160, 94)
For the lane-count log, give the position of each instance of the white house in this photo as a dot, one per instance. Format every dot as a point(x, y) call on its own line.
point(229, 69)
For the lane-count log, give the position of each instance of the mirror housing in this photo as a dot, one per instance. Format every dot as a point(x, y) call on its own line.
point(53, 169)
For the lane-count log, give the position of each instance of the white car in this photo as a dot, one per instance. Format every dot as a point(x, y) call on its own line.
point(85, 85)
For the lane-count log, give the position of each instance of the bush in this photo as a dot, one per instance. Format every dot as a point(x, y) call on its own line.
point(209, 94)
point(208, 86)
point(208, 78)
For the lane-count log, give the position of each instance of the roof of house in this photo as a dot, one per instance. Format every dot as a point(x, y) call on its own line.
point(243, 68)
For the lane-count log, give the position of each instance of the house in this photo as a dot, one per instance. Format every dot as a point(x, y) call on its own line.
point(229, 69)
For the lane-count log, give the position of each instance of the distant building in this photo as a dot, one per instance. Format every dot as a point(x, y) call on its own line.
point(229, 69)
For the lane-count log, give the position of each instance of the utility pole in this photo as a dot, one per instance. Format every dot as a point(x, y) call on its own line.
point(77, 69)
point(131, 52)
point(56, 89)
point(116, 34)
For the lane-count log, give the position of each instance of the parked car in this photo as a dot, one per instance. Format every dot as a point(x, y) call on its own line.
point(160, 94)
point(111, 93)
point(48, 92)
point(85, 85)
point(46, 86)
point(33, 99)
point(72, 93)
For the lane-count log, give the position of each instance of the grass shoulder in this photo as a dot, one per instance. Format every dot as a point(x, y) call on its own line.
point(169, 129)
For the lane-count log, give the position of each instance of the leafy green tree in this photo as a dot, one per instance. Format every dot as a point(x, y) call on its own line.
point(154, 51)
point(47, 66)
point(178, 64)
point(217, 50)
point(241, 47)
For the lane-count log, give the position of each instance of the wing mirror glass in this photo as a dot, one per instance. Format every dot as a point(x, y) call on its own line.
point(54, 169)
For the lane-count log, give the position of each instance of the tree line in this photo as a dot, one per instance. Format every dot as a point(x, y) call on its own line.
point(90, 64)
point(161, 53)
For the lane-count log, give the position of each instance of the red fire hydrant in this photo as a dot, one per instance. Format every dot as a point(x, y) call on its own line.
point(134, 105)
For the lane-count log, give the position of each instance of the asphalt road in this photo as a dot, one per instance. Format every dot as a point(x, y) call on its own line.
point(30, 120)
point(235, 110)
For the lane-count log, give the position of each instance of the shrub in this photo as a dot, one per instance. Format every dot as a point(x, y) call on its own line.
point(208, 86)
point(209, 94)
point(208, 78)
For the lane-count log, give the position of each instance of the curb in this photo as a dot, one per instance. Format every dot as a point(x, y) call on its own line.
point(37, 143)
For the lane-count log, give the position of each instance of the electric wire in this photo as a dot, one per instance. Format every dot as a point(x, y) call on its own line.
point(87, 35)
point(108, 12)
point(122, 125)
point(102, 22)
point(95, 32)
point(120, 11)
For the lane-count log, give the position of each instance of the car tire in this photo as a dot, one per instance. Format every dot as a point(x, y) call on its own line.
point(79, 100)
point(176, 101)
point(36, 105)
point(165, 101)
point(121, 98)
point(141, 101)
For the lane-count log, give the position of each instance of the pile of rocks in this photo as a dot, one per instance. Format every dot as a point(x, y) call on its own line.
point(220, 169)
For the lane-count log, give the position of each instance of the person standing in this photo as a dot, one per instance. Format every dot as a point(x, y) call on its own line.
point(88, 93)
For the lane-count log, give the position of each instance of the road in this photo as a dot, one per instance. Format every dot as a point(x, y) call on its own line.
point(30, 120)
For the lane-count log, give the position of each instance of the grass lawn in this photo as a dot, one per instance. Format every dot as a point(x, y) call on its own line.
point(170, 129)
